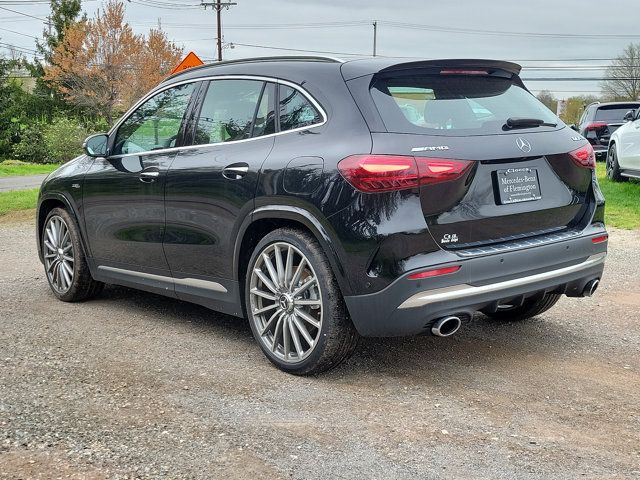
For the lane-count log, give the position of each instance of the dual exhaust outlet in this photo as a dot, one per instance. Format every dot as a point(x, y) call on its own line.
point(447, 326)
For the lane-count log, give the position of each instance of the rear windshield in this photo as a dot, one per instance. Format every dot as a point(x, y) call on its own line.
point(613, 113)
point(454, 104)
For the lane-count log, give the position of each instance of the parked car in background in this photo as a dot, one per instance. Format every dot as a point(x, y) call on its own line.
point(623, 158)
point(600, 120)
point(326, 199)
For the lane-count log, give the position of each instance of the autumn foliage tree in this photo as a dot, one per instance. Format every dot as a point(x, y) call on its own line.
point(103, 65)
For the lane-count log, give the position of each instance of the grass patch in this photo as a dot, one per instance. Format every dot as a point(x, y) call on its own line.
point(18, 200)
point(10, 168)
point(622, 207)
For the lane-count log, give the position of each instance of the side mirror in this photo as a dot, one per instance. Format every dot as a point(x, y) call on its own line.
point(96, 145)
point(629, 116)
point(573, 126)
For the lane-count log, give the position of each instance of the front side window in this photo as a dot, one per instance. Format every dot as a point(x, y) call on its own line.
point(296, 110)
point(228, 111)
point(156, 123)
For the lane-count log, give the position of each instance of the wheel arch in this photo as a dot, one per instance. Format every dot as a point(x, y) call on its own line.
point(48, 202)
point(266, 219)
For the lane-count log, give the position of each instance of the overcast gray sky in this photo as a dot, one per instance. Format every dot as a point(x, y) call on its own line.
point(550, 38)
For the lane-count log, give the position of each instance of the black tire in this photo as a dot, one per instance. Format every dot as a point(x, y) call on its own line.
point(613, 167)
point(530, 308)
point(82, 286)
point(336, 338)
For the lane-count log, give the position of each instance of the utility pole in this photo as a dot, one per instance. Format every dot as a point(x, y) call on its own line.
point(375, 36)
point(218, 5)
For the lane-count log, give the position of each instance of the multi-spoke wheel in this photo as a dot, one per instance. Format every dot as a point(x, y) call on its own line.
point(294, 305)
point(58, 254)
point(64, 262)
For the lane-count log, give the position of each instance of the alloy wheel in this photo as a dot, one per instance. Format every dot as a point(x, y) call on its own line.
point(286, 302)
point(58, 254)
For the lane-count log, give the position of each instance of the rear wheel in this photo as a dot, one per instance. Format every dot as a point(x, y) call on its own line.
point(64, 261)
point(530, 308)
point(295, 308)
point(613, 168)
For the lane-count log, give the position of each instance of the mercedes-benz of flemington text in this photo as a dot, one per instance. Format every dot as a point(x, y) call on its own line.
point(326, 200)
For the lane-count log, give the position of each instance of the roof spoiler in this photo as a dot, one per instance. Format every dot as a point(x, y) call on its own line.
point(361, 67)
point(463, 64)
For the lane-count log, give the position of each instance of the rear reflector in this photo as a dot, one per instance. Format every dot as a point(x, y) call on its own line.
point(387, 173)
point(584, 156)
point(600, 239)
point(434, 273)
point(595, 125)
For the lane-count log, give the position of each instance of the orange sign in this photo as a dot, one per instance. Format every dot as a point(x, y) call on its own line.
point(191, 60)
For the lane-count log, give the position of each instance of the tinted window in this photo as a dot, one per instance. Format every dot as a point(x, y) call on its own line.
point(156, 123)
point(613, 113)
point(227, 111)
point(454, 105)
point(295, 110)
point(265, 122)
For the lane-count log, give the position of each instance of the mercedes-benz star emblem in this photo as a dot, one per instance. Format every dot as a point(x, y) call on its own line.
point(523, 145)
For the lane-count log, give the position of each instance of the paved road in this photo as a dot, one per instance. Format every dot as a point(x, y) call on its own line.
point(21, 182)
point(133, 385)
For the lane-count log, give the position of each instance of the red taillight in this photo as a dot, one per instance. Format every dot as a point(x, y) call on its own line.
point(463, 72)
point(434, 273)
point(595, 125)
point(600, 239)
point(584, 156)
point(387, 173)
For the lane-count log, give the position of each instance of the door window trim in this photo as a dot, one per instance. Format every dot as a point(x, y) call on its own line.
point(277, 81)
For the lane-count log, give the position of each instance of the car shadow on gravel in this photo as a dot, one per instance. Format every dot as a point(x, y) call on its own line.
point(481, 342)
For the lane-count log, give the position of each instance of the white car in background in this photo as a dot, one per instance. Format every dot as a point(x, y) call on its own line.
point(623, 156)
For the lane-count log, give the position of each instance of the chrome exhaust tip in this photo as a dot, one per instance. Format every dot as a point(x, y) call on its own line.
point(590, 288)
point(446, 326)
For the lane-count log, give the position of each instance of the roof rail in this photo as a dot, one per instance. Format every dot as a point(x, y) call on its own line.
point(280, 58)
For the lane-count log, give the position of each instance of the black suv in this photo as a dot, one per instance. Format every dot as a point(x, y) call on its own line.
point(324, 200)
point(600, 120)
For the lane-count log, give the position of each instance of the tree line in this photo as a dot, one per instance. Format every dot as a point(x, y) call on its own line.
point(87, 72)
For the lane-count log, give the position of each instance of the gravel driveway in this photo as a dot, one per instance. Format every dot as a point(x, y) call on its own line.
point(133, 385)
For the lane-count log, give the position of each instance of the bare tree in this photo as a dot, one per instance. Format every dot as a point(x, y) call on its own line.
point(623, 75)
point(549, 99)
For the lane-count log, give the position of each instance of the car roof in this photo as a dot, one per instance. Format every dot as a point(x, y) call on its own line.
point(352, 68)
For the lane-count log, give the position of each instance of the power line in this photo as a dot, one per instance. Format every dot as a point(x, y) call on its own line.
point(25, 14)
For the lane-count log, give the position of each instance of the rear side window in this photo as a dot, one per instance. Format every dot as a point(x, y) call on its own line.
point(454, 104)
point(613, 113)
point(228, 111)
point(296, 110)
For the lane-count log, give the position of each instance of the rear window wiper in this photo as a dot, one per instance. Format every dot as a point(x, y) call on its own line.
point(519, 122)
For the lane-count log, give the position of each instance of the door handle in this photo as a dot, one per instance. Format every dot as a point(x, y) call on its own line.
point(235, 171)
point(149, 175)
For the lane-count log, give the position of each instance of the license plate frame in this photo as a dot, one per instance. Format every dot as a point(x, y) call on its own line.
point(517, 185)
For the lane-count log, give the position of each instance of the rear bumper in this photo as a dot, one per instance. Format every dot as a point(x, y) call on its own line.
point(600, 151)
point(409, 307)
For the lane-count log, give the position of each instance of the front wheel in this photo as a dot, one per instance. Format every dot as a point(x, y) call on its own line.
point(530, 308)
point(613, 167)
point(65, 264)
point(295, 308)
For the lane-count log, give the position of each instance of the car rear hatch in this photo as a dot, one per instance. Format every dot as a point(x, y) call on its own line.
point(607, 119)
point(483, 179)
